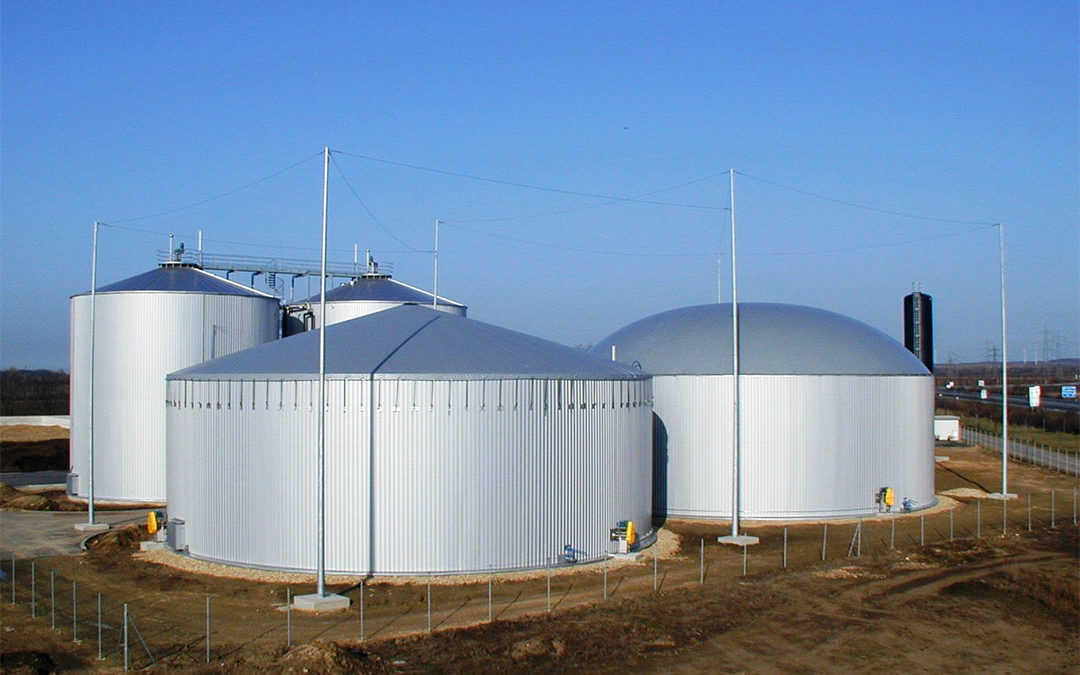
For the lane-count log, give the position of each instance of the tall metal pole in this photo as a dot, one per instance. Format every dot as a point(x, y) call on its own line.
point(734, 368)
point(321, 584)
point(1004, 372)
point(93, 332)
point(435, 294)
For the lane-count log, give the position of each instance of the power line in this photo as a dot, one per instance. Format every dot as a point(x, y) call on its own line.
point(712, 255)
point(873, 246)
point(528, 186)
point(218, 196)
point(365, 206)
point(864, 206)
point(590, 206)
point(575, 249)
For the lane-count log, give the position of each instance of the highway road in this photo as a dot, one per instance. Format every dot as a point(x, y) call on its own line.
point(1015, 401)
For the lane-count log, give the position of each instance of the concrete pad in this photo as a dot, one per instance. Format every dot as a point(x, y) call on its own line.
point(36, 534)
point(998, 495)
point(633, 556)
point(738, 540)
point(91, 527)
point(320, 603)
point(151, 545)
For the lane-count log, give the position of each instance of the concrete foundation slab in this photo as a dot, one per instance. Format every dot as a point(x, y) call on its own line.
point(91, 527)
point(320, 603)
point(738, 540)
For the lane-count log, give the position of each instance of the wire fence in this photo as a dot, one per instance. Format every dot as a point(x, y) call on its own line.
point(164, 624)
point(1055, 459)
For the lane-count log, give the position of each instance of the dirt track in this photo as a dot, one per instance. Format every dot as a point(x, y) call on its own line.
point(982, 602)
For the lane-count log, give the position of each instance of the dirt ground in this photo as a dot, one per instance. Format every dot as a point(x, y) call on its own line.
point(952, 592)
point(25, 447)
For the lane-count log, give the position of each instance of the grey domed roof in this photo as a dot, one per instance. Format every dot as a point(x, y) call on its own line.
point(180, 279)
point(411, 342)
point(774, 339)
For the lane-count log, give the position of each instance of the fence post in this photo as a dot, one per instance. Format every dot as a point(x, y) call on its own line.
point(824, 540)
point(858, 546)
point(744, 560)
point(1074, 509)
point(288, 618)
point(126, 662)
point(74, 613)
point(362, 594)
point(1053, 508)
point(655, 575)
point(549, 585)
point(785, 547)
point(978, 519)
point(1029, 512)
point(605, 583)
point(52, 597)
point(33, 588)
point(208, 629)
point(1004, 515)
point(922, 530)
point(950, 525)
point(429, 603)
point(701, 565)
point(489, 593)
point(99, 626)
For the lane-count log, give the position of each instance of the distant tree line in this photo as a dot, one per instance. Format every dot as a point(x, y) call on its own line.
point(33, 392)
point(1059, 370)
point(1050, 420)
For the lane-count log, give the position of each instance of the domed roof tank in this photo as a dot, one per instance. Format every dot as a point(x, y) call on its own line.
point(830, 411)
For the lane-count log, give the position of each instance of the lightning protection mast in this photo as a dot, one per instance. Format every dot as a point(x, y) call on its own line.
point(321, 600)
point(736, 434)
point(91, 525)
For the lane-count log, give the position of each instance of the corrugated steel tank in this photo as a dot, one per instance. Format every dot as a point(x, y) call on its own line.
point(451, 446)
point(366, 294)
point(147, 326)
point(831, 411)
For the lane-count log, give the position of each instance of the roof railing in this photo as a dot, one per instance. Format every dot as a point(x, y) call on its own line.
point(285, 266)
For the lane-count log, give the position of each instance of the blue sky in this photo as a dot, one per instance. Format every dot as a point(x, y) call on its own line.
point(962, 113)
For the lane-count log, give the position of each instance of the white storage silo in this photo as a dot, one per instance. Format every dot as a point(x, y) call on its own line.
point(451, 446)
point(371, 292)
point(147, 326)
point(831, 411)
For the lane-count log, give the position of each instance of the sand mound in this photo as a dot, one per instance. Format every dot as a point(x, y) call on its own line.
point(965, 493)
point(124, 538)
point(323, 658)
point(12, 498)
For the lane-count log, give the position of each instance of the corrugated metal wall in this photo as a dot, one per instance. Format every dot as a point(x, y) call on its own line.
point(812, 446)
point(141, 337)
point(457, 476)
